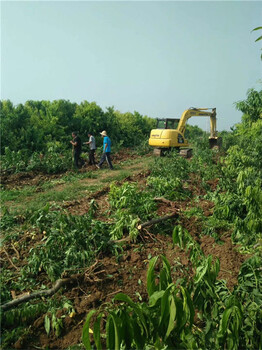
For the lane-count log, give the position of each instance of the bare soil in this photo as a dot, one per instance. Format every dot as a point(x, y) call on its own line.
point(127, 272)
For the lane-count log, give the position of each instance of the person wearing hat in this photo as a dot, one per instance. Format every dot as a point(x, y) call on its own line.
point(106, 151)
point(92, 149)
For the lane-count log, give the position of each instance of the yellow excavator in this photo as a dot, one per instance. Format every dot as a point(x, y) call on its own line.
point(170, 133)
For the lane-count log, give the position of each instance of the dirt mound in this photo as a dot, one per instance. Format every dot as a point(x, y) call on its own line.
point(230, 259)
point(31, 178)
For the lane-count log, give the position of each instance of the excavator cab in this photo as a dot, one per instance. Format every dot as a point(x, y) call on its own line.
point(167, 123)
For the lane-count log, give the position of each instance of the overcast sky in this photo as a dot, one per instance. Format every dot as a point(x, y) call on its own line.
point(155, 57)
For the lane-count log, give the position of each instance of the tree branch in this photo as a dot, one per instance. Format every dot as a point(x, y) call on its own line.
point(164, 200)
point(11, 262)
point(42, 293)
point(156, 221)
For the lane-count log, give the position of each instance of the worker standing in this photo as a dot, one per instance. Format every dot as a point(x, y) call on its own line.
point(92, 148)
point(106, 151)
point(77, 149)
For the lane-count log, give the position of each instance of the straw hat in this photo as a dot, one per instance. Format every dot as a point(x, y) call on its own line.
point(103, 133)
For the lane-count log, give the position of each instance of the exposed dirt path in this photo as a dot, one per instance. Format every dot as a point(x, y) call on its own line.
point(106, 175)
point(82, 187)
point(34, 178)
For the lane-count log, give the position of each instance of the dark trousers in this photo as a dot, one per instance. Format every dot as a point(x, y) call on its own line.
point(77, 161)
point(92, 157)
point(106, 156)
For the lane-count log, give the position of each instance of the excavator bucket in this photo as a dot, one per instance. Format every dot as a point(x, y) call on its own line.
point(215, 142)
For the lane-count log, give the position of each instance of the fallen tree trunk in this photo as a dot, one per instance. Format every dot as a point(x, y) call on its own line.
point(42, 293)
point(156, 221)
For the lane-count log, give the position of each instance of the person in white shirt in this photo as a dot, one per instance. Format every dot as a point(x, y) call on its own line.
point(92, 149)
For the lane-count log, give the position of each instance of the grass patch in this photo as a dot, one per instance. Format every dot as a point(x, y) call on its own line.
point(17, 194)
point(117, 176)
point(71, 186)
point(71, 177)
point(67, 193)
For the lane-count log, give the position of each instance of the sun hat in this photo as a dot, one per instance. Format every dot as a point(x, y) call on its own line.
point(103, 133)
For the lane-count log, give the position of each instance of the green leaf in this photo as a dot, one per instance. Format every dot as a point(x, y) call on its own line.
point(151, 285)
point(85, 333)
point(110, 334)
point(167, 270)
point(127, 329)
point(180, 315)
point(116, 323)
point(139, 339)
point(47, 324)
point(257, 28)
point(259, 38)
point(165, 307)
point(225, 320)
point(172, 316)
point(177, 236)
point(188, 305)
point(123, 297)
point(155, 297)
point(208, 326)
point(200, 272)
point(96, 330)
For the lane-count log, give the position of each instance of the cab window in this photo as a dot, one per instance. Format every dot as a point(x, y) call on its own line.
point(161, 124)
point(171, 124)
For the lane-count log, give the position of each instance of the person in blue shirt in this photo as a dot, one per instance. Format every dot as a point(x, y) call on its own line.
point(106, 151)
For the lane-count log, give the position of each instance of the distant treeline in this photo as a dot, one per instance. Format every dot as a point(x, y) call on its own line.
point(36, 125)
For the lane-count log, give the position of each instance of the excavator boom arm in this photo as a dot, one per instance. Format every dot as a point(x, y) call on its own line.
point(198, 112)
